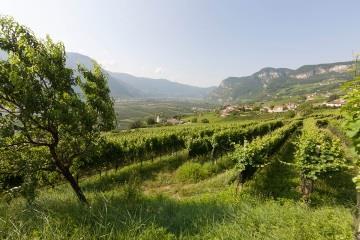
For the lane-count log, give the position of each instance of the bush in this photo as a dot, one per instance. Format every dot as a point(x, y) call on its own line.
point(192, 172)
point(136, 124)
point(194, 120)
point(150, 121)
point(305, 109)
point(289, 114)
point(205, 120)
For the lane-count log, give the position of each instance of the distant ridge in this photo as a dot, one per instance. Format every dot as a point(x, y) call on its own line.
point(280, 82)
point(127, 86)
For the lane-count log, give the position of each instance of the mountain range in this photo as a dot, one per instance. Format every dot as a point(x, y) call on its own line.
point(126, 86)
point(266, 84)
point(270, 83)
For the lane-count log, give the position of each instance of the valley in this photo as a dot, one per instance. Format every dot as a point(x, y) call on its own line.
point(179, 120)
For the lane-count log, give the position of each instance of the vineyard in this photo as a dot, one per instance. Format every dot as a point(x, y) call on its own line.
point(261, 178)
point(88, 153)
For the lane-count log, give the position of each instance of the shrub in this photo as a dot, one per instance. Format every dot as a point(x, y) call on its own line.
point(192, 172)
point(150, 121)
point(205, 120)
point(136, 124)
point(305, 109)
point(194, 120)
point(289, 114)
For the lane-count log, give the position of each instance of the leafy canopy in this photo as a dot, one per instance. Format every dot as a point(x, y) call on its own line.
point(51, 111)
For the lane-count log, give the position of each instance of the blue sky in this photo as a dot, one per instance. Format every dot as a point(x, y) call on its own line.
point(198, 42)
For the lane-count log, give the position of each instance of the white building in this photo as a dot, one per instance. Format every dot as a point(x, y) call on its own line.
point(158, 119)
point(336, 103)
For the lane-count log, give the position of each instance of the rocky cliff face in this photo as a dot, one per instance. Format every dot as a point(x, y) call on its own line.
point(269, 81)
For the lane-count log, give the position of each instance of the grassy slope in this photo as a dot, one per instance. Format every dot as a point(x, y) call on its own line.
point(150, 202)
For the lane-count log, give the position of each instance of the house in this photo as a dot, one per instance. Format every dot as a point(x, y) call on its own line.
point(291, 106)
point(174, 121)
point(265, 109)
point(278, 109)
point(227, 109)
point(310, 97)
point(335, 103)
point(248, 108)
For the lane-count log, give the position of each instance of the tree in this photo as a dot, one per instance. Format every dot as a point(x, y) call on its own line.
point(352, 111)
point(289, 114)
point(53, 115)
point(150, 121)
point(194, 120)
point(136, 124)
point(305, 109)
point(352, 114)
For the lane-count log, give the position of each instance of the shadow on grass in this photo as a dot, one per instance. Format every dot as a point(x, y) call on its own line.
point(137, 171)
point(337, 188)
point(121, 213)
point(278, 180)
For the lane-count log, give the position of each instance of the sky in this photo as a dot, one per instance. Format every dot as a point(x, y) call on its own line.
point(197, 42)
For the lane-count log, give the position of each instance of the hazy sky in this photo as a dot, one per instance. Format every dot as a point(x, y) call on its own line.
point(198, 42)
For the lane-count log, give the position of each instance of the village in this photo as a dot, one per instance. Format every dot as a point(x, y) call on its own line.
point(229, 109)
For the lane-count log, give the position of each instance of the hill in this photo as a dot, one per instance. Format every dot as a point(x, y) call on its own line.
point(127, 86)
point(270, 83)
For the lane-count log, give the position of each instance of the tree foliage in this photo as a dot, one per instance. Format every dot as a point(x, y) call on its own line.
point(352, 111)
point(52, 115)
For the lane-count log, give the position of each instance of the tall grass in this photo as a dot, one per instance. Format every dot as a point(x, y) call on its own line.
point(267, 208)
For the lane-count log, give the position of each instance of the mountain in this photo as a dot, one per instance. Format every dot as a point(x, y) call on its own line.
point(117, 87)
point(282, 82)
point(127, 86)
point(156, 88)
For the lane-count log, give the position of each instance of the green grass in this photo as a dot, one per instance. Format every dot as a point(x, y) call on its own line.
point(126, 213)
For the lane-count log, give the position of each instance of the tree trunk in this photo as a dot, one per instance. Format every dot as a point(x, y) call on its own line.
point(239, 184)
point(306, 188)
point(75, 186)
point(68, 176)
